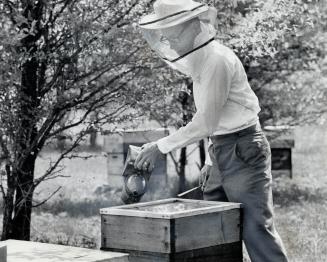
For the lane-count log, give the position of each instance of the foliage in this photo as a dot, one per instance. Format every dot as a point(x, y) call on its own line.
point(278, 42)
point(60, 63)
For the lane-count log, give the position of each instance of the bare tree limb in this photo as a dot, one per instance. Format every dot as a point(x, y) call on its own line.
point(47, 199)
point(83, 118)
point(62, 9)
point(3, 192)
point(56, 163)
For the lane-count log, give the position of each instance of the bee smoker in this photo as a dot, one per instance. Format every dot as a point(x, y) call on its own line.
point(135, 181)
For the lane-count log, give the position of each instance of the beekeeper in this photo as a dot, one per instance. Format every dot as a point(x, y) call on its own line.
point(182, 34)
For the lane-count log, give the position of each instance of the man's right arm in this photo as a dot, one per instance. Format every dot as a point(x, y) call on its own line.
point(206, 169)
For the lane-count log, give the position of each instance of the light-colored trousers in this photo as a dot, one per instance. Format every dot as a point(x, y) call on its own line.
point(241, 172)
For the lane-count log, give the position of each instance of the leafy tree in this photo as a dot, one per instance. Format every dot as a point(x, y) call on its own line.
point(57, 58)
point(280, 43)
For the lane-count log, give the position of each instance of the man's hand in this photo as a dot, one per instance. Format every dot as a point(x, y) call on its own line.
point(147, 157)
point(205, 172)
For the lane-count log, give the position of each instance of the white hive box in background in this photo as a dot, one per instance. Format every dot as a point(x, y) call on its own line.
point(116, 147)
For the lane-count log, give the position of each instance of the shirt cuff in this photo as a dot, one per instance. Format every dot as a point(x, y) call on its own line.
point(162, 145)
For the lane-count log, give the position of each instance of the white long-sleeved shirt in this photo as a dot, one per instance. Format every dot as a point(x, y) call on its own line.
point(224, 100)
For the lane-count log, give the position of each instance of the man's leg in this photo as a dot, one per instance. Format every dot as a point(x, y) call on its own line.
point(245, 169)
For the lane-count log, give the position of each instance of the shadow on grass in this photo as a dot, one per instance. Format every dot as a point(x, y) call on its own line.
point(84, 208)
point(103, 196)
point(285, 195)
point(87, 207)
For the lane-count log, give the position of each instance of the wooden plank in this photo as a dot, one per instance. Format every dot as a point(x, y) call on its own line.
point(3, 252)
point(172, 200)
point(207, 230)
point(231, 252)
point(128, 210)
point(232, 225)
point(186, 213)
point(142, 256)
point(135, 233)
point(207, 202)
point(23, 251)
point(155, 202)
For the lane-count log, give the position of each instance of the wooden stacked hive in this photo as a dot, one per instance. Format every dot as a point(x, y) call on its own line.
point(174, 230)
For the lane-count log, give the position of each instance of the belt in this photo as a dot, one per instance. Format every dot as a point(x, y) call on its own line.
point(243, 132)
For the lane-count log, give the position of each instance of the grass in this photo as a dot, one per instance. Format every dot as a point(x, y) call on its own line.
point(300, 218)
point(66, 230)
point(303, 228)
point(301, 222)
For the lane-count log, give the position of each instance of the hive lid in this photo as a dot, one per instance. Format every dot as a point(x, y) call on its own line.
point(170, 208)
point(22, 251)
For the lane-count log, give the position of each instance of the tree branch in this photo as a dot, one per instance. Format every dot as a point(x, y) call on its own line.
point(60, 158)
point(47, 199)
point(65, 5)
point(85, 115)
point(3, 192)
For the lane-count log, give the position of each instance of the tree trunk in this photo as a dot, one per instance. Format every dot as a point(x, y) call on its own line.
point(182, 164)
point(23, 205)
point(18, 200)
point(202, 153)
point(18, 203)
point(8, 207)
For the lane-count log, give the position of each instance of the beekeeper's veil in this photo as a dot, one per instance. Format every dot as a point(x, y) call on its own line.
point(177, 29)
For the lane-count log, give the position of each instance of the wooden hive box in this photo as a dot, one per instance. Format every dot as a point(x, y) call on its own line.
point(28, 251)
point(174, 230)
point(3, 252)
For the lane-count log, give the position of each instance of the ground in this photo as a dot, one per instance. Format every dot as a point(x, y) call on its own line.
point(72, 216)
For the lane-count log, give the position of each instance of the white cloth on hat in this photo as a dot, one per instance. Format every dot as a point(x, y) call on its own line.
point(188, 65)
point(168, 13)
point(166, 38)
